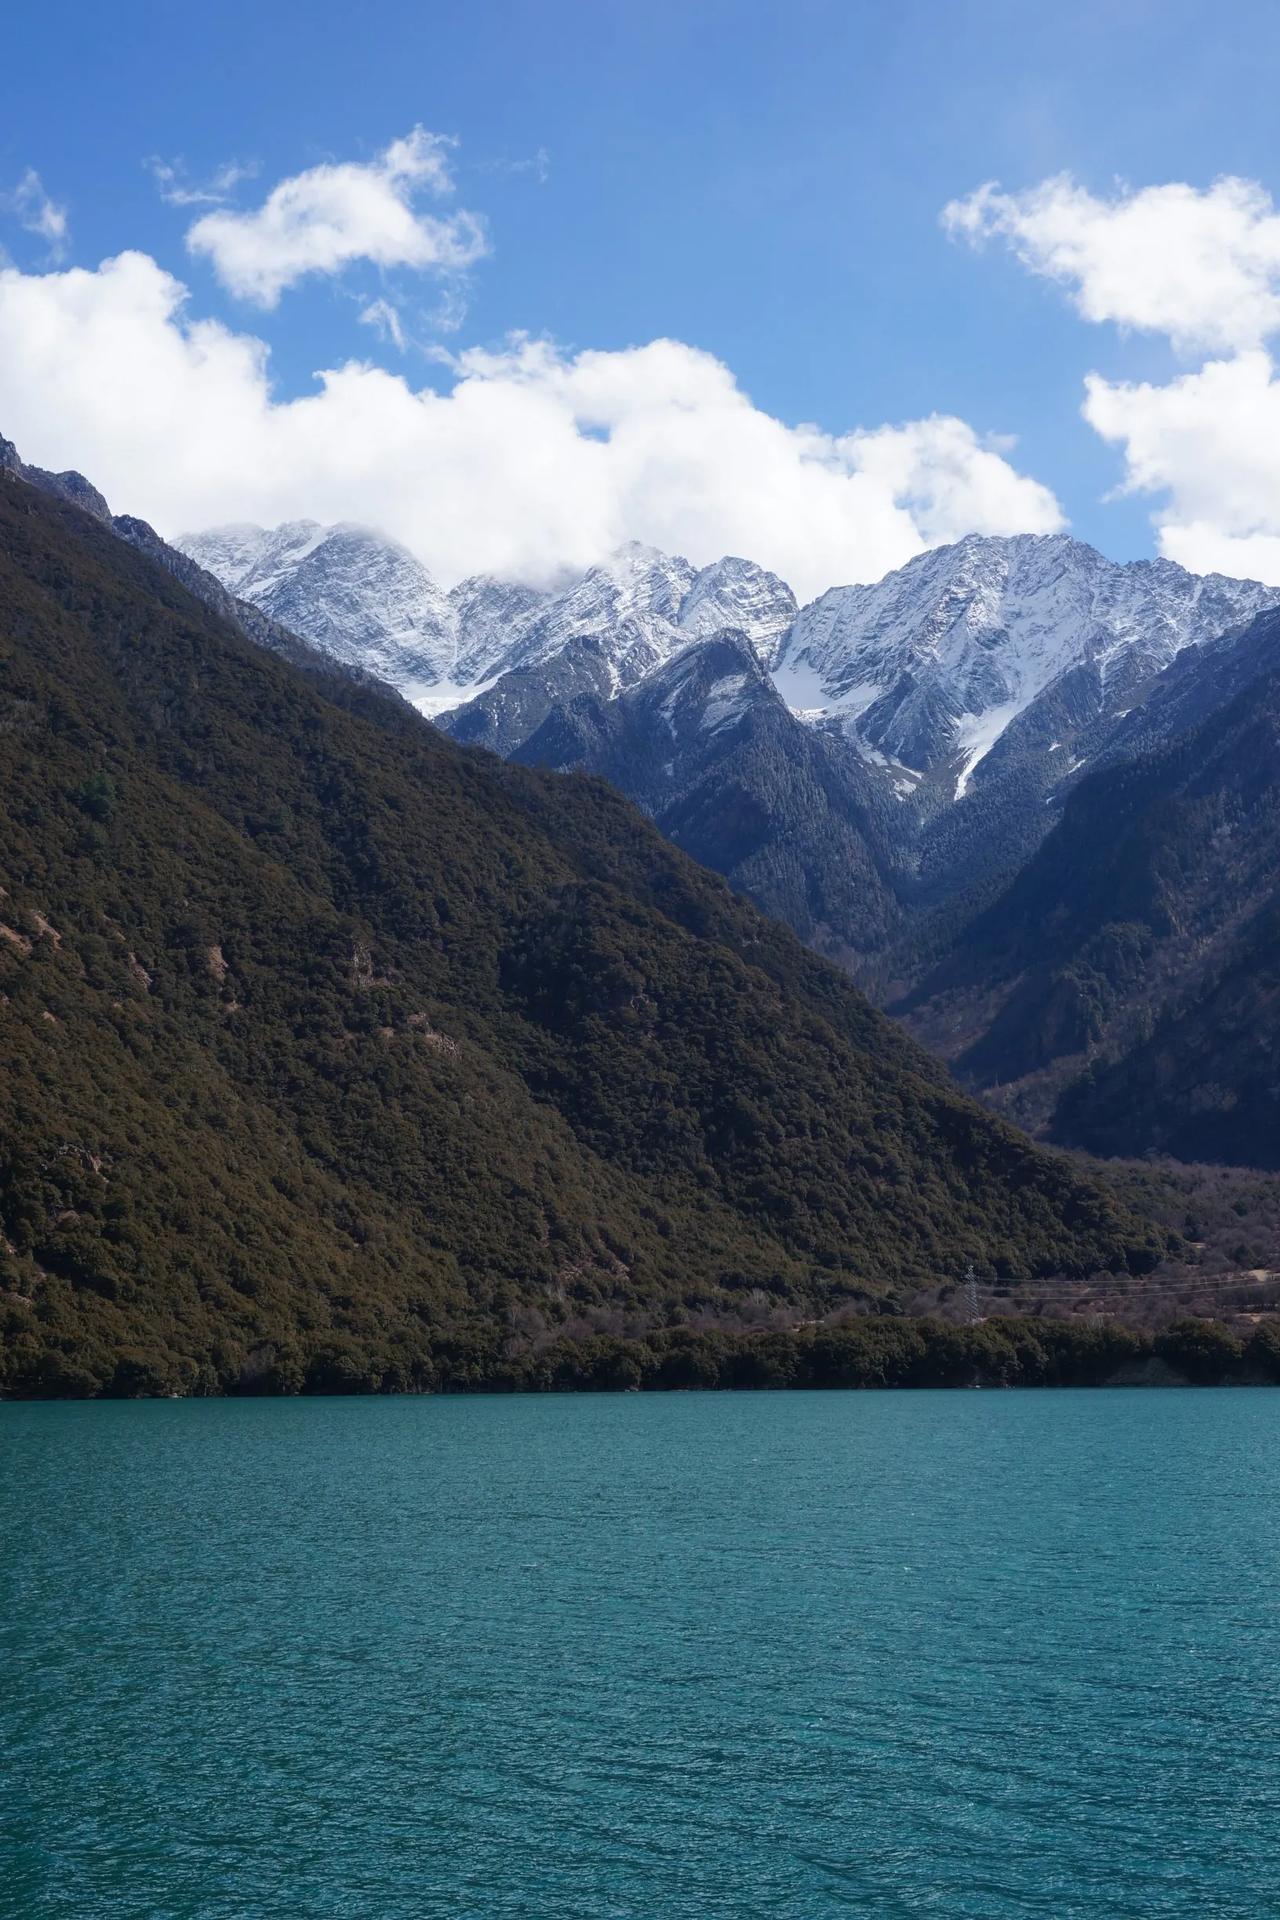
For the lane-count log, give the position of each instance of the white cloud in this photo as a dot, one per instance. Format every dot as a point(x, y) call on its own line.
point(449, 313)
point(176, 190)
point(952, 482)
point(532, 462)
point(1209, 442)
point(322, 220)
point(385, 320)
point(1202, 266)
point(37, 213)
point(538, 164)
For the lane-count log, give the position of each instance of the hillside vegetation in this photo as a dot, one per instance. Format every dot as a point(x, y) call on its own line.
point(334, 1053)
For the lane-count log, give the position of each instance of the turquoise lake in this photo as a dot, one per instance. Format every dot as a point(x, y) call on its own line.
point(788, 1655)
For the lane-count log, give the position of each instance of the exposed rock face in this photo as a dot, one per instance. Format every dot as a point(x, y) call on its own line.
point(66, 486)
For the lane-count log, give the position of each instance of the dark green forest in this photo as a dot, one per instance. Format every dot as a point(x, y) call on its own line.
point(330, 1049)
point(866, 1352)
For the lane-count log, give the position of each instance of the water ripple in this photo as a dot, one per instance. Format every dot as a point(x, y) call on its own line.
point(966, 1656)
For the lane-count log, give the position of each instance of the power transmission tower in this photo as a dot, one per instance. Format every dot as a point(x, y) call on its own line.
point(971, 1296)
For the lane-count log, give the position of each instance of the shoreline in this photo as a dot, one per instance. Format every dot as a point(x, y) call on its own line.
point(866, 1353)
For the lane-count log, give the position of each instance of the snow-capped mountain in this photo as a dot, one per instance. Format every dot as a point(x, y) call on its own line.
point(609, 631)
point(925, 672)
point(361, 597)
point(645, 606)
point(950, 707)
point(369, 601)
point(738, 594)
point(931, 665)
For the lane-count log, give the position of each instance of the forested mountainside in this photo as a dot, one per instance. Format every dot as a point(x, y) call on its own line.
point(330, 1046)
point(1125, 988)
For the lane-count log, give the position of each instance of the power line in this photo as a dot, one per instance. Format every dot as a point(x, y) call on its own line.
point(1031, 1291)
point(974, 1295)
point(1133, 1289)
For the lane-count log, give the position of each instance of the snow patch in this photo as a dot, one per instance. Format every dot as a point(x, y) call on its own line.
point(434, 697)
point(724, 703)
point(977, 734)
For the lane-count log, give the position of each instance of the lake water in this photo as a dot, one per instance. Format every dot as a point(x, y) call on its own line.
point(585, 1658)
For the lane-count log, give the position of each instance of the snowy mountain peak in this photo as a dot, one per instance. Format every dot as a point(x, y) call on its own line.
point(646, 570)
point(361, 597)
point(933, 663)
point(737, 593)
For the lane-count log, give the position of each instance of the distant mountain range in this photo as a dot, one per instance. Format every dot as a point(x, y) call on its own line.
point(916, 736)
point(968, 652)
point(1045, 917)
point(372, 604)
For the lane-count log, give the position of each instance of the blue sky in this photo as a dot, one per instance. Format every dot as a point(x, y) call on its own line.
point(762, 182)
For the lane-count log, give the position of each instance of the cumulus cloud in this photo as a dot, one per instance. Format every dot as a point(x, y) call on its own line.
point(1200, 265)
point(37, 213)
point(1210, 443)
point(952, 482)
point(529, 463)
point(177, 190)
point(322, 220)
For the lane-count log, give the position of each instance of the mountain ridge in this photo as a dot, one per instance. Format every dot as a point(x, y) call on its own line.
point(925, 670)
point(909, 875)
point(367, 599)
